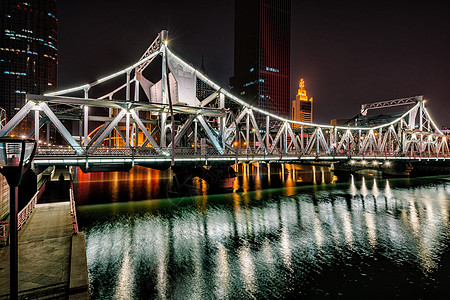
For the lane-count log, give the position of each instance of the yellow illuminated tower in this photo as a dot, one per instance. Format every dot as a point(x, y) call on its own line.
point(302, 108)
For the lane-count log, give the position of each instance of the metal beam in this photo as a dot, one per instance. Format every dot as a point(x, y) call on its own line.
point(144, 130)
point(277, 137)
point(293, 138)
point(183, 130)
point(108, 129)
point(210, 134)
point(16, 119)
point(210, 98)
point(60, 127)
point(258, 134)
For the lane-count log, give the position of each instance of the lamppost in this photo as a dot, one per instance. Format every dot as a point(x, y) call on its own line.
point(15, 159)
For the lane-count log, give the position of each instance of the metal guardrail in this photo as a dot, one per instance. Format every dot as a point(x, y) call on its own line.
point(22, 216)
point(73, 210)
point(4, 233)
point(25, 213)
point(213, 152)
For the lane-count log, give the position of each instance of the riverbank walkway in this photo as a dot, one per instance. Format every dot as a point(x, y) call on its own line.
point(52, 260)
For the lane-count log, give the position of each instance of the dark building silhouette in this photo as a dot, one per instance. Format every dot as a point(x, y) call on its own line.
point(28, 47)
point(261, 54)
point(203, 89)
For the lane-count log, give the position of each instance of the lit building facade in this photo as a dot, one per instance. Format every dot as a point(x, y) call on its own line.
point(262, 54)
point(302, 107)
point(28, 47)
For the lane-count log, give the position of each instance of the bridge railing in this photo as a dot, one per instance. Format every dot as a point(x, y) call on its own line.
point(55, 151)
point(213, 152)
point(4, 233)
point(73, 210)
point(25, 213)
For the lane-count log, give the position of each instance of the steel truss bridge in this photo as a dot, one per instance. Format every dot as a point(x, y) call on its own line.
point(184, 118)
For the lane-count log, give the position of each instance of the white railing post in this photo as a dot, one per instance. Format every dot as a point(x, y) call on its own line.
point(73, 210)
point(26, 211)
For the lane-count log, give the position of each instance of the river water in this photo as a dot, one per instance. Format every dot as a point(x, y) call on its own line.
point(278, 233)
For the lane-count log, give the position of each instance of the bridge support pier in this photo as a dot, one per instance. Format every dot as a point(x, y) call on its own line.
point(218, 177)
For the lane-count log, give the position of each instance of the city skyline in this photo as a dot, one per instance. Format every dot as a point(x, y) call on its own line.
point(349, 54)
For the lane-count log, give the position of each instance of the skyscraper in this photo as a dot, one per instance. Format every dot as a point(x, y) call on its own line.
point(261, 54)
point(302, 108)
point(28, 48)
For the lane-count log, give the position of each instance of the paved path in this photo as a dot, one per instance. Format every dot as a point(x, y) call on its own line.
point(44, 254)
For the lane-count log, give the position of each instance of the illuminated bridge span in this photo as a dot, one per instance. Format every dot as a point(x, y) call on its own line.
point(184, 118)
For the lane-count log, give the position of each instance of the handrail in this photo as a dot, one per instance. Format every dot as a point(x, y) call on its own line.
point(26, 211)
point(73, 210)
point(24, 214)
point(4, 233)
point(209, 151)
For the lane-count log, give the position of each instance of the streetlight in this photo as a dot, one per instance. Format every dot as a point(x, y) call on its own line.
point(15, 158)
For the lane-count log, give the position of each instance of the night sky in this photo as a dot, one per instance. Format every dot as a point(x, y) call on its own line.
point(348, 54)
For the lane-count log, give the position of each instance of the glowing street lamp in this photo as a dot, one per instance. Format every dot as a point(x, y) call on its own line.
point(15, 158)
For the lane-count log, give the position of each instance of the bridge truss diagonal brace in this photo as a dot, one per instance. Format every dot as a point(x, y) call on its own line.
point(258, 134)
point(23, 112)
point(210, 98)
point(42, 122)
point(210, 134)
point(275, 141)
point(97, 134)
point(322, 140)
point(311, 141)
point(152, 134)
point(144, 130)
point(370, 140)
point(60, 127)
point(120, 133)
point(108, 129)
point(346, 137)
point(293, 138)
point(230, 130)
point(182, 130)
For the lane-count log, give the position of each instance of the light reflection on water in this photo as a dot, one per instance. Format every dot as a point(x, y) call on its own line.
point(388, 237)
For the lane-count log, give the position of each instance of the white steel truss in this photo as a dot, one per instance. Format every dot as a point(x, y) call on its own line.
point(167, 118)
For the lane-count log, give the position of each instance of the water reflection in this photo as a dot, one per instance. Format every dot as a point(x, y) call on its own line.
point(271, 243)
point(144, 183)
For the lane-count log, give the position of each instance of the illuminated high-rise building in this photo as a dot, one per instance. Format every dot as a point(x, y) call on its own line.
point(261, 54)
point(28, 47)
point(302, 108)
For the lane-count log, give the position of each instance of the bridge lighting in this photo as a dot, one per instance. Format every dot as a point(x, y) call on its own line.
point(387, 163)
point(364, 162)
point(235, 144)
point(374, 163)
point(352, 162)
